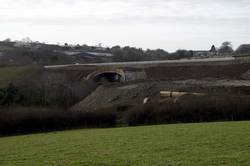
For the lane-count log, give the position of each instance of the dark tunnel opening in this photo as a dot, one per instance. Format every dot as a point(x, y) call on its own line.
point(108, 77)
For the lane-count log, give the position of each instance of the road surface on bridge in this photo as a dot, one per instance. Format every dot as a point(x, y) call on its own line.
point(147, 63)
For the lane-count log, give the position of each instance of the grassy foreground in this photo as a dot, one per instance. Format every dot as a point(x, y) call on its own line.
point(182, 144)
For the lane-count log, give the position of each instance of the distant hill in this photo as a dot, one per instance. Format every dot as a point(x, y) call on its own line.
point(21, 53)
point(36, 53)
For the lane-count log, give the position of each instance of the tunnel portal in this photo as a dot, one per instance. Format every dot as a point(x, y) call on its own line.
point(106, 76)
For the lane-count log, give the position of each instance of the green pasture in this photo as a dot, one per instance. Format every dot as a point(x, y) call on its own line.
point(182, 144)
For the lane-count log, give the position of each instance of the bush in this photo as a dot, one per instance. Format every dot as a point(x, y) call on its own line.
point(29, 120)
point(9, 95)
point(46, 89)
point(192, 109)
point(14, 120)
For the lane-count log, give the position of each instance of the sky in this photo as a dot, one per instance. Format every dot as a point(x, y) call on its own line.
point(166, 24)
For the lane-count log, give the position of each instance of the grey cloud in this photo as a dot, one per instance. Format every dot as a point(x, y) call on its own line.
point(181, 11)
point(124, 20)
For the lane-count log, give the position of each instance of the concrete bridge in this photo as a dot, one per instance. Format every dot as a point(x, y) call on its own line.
point(141, 64)
point(127, 71)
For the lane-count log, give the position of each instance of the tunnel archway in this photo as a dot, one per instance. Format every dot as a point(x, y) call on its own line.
point(107, 76)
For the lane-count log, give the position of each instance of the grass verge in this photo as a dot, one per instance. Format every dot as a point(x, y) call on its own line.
point(181, 144)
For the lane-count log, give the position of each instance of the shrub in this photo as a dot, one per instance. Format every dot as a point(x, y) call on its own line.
point(28, 120)
point(9, 95)
point(46, 89)
point(192, 109)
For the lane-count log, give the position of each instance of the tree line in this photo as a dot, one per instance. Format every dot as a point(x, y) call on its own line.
point(137, 54)
point(28, 52)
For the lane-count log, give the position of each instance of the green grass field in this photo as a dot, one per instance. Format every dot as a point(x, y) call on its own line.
point(181, 144)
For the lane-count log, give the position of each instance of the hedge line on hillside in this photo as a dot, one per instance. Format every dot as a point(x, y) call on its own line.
point(31, 120)
point(14, 120)
point(192, 109)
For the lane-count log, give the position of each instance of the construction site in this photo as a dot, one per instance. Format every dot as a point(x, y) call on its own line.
point(125, 85)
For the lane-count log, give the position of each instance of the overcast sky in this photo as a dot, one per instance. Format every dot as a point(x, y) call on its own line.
point(167, 24)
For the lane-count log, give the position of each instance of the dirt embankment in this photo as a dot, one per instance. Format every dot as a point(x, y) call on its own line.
point(73, 74)
point(234, 71)
point(132, 94)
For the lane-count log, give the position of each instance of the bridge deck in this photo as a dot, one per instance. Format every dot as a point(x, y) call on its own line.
point(227, 60)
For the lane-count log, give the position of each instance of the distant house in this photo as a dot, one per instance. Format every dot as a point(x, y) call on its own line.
point(22, 44)
point(200, 54)
point(205, 53)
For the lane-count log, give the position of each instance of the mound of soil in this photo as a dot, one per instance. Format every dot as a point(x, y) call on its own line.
point(131, 94)
point(110, 95)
